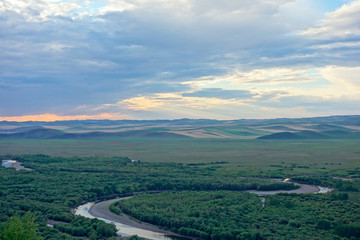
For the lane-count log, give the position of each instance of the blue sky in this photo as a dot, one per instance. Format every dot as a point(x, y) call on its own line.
point(167, 59)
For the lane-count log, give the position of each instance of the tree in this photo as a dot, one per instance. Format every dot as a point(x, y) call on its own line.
point(20, 228)
point(323, 224)
point(93, 236)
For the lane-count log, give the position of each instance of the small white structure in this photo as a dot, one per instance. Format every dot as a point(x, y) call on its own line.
point(14, 164)
point(8, 163)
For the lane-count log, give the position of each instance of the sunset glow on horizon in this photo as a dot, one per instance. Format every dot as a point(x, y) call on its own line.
point(48, 117)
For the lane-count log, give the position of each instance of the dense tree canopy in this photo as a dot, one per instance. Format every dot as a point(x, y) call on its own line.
point(18, 228)
point(57, 184)
point(235, 215)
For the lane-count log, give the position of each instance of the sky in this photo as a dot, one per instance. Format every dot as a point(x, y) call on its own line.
point(169, 59)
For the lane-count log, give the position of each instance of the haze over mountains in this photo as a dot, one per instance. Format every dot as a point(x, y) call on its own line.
point(270, 129)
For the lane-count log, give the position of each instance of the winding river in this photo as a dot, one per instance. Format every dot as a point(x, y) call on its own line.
point(128, 226)
point(125, 225)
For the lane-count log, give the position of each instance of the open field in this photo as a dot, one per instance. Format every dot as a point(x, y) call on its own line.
point(291, 156)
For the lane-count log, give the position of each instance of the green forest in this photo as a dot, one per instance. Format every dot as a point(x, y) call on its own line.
point(55, 185)
point(236, 215)
point(200, 200)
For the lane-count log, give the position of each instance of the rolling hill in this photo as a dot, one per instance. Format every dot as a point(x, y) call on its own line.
point(282, 128)
point(45, 133)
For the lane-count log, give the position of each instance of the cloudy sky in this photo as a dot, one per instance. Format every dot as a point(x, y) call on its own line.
point(167, 59)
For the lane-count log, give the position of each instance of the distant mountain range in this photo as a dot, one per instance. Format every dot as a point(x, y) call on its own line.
point(266, 129)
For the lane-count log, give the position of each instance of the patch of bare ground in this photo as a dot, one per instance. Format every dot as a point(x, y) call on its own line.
point(343, 178)
point(18, 166)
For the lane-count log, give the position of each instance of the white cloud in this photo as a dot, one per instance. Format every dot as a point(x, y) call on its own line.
point(341, 24)
point(202, 7)
point(275, 76)
point(96, 65)
point(174, 100)
point(323, 83)
point(335, 45)
point(57, 46)
point(263, 76)
point(346, 79)
point(117, 6)
point(43, 10)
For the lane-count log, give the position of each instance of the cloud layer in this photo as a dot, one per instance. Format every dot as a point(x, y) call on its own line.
point(150, 59)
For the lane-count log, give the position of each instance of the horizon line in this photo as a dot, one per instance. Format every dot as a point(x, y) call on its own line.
point(169, 119)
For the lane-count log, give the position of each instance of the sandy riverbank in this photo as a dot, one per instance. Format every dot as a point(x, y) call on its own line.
point(304, 188)
point(101, 210)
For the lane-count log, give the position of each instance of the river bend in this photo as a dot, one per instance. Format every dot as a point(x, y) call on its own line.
point(128, 226)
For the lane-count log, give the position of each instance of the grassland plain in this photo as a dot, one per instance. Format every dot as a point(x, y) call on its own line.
point(294, 157)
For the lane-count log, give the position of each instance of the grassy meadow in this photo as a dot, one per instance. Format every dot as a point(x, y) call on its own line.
point(293, 157)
